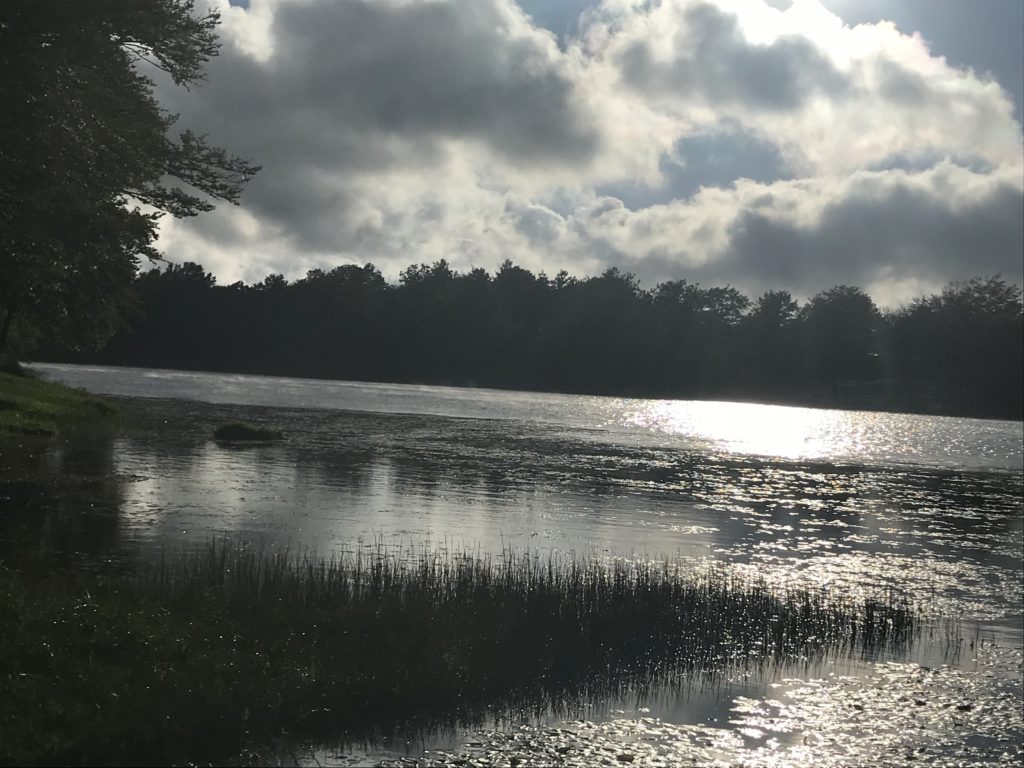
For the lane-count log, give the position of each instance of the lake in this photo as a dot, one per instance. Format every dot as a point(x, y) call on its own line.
point(851, 502)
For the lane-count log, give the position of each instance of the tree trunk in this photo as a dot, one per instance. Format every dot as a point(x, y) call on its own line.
point(7, 361)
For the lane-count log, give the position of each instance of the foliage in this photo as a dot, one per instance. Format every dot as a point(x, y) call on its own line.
point(968, 337)
point(87, 160)
point(957, 352)
point(196, 659)
point(29, 406)
point(842, 326)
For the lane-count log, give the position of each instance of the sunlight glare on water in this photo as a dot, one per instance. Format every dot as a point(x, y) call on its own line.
point(785, 432)
point(763, 430)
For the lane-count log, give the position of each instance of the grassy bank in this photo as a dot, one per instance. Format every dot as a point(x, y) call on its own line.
point(31, 406)
point(227, 650)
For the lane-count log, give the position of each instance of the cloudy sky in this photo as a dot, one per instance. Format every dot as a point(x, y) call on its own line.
point(760, 143)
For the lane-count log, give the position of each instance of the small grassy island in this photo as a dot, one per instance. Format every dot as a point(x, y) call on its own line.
point(31, 406)
point(244, 432)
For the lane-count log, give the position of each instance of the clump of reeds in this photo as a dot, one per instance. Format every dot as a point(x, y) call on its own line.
point(244, 432)
point(202, 653)
point(709, 614)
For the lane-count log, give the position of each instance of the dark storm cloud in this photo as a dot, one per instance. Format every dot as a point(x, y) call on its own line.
point(906, 233)
point(365, 86)
point(712, 59)
point(432, 68)
point(875, 230)
point(541, 226)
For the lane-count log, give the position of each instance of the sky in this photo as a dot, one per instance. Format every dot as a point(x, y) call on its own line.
point(763, 144)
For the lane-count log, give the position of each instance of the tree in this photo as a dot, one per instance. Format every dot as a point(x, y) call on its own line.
point(770, 333)
point(969, 338)
point(87, 160)
point(774, 310)
point(841, 326)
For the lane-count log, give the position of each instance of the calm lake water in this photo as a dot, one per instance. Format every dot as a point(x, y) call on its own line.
point(853, 502)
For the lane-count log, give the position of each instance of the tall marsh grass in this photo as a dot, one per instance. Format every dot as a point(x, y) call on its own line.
point(708, 615)
point(198, 656)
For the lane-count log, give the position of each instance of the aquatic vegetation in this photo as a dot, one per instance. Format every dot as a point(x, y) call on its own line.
point(244, 432)
point(203, 656)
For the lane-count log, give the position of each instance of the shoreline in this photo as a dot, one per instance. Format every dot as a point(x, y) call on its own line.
point(820, 400)
point(31, 406)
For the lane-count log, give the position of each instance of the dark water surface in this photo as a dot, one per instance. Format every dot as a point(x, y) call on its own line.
point(853, 502)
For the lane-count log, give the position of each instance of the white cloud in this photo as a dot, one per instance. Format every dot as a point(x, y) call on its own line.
point(869, 228)
point(397, 131)
point(834, 99)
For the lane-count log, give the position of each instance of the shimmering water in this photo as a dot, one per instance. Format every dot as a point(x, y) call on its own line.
point(891, 714)
point(837, 500)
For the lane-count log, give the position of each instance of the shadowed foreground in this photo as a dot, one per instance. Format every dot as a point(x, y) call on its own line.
point(223, 653)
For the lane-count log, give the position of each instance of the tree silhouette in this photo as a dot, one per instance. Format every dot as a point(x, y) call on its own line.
point(959, 351)
point(771, 344)
point(841, 326)
point(968, 338)
point(84, 146)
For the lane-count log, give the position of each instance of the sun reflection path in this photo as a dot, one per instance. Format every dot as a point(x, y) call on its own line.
point(764, 430)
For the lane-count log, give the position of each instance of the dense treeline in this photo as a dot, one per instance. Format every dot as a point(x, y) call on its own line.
point(957, 352)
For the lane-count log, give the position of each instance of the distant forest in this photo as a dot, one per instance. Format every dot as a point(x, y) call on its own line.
point(957, 352)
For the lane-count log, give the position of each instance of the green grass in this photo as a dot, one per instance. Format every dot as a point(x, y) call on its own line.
point(244, 432)
point(31, 406)
point(225, 652)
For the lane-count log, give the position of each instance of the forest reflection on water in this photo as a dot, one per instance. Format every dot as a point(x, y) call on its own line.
point(751, 487)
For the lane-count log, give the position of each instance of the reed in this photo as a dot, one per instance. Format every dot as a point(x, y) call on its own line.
point(243, 432)
point(200, 656)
